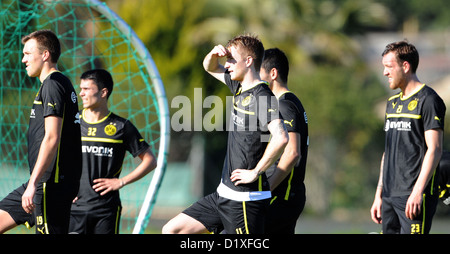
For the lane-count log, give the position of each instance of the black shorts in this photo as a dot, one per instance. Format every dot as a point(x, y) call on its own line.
point(52, 212)
point(283, 214)
point(98, 221)
point(12, 204)
point(235, 217)
point(394, 220)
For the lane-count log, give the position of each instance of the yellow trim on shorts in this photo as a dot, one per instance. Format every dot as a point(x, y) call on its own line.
point(119, 209)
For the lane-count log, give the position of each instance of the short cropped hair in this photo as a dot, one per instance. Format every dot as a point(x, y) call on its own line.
point(404, 52)
point(102, 78)
point(275, 58)
point(251, 45)
point(46, 40)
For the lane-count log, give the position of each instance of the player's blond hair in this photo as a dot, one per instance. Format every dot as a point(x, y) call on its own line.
point(251, 45)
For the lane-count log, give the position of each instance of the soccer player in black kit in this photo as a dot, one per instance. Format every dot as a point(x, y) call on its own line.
point(407, 192)
point(106, 137)
point(54, 145)
point(286, 176)
point(239, 205)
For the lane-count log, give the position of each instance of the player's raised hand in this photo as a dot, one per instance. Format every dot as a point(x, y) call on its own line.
point(220, 51)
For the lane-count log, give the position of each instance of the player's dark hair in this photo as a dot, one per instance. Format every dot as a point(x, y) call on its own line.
point(251, 45)
point(404, 52)
point(275, 58)
point(102, 78)
point(46, 40)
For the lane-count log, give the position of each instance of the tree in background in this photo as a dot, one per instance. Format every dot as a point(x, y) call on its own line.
point(320, 37)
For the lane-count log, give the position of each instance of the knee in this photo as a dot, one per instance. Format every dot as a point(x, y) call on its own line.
point(168, 228)
point(183, 224)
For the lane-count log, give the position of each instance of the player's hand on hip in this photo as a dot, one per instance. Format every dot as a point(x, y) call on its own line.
point(243, 176)
point(105, 185)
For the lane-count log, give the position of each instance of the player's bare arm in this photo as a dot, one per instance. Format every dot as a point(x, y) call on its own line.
point(290, 157)
point(211, 62)
point(375, 211)
point(275, 148)
point(47, 153)
point(433, 140)
point(105, 185)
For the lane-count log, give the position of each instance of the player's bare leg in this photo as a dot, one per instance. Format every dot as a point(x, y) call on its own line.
point(184, 224)
point(6, 222)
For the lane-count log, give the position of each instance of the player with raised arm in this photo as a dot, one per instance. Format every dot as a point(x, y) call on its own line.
point(54, 145)
point(105, 139)
point(239, 205)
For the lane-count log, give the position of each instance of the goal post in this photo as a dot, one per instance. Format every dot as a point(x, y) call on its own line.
point(150, 198)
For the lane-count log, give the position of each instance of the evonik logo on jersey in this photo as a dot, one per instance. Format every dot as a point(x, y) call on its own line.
point(98, 150)
point(398, 125)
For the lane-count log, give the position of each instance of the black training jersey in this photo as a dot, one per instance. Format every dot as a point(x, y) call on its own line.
point(248, 134)
point(57, 97)
point(104, 144)
point(295, 119)
point(406, 121)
